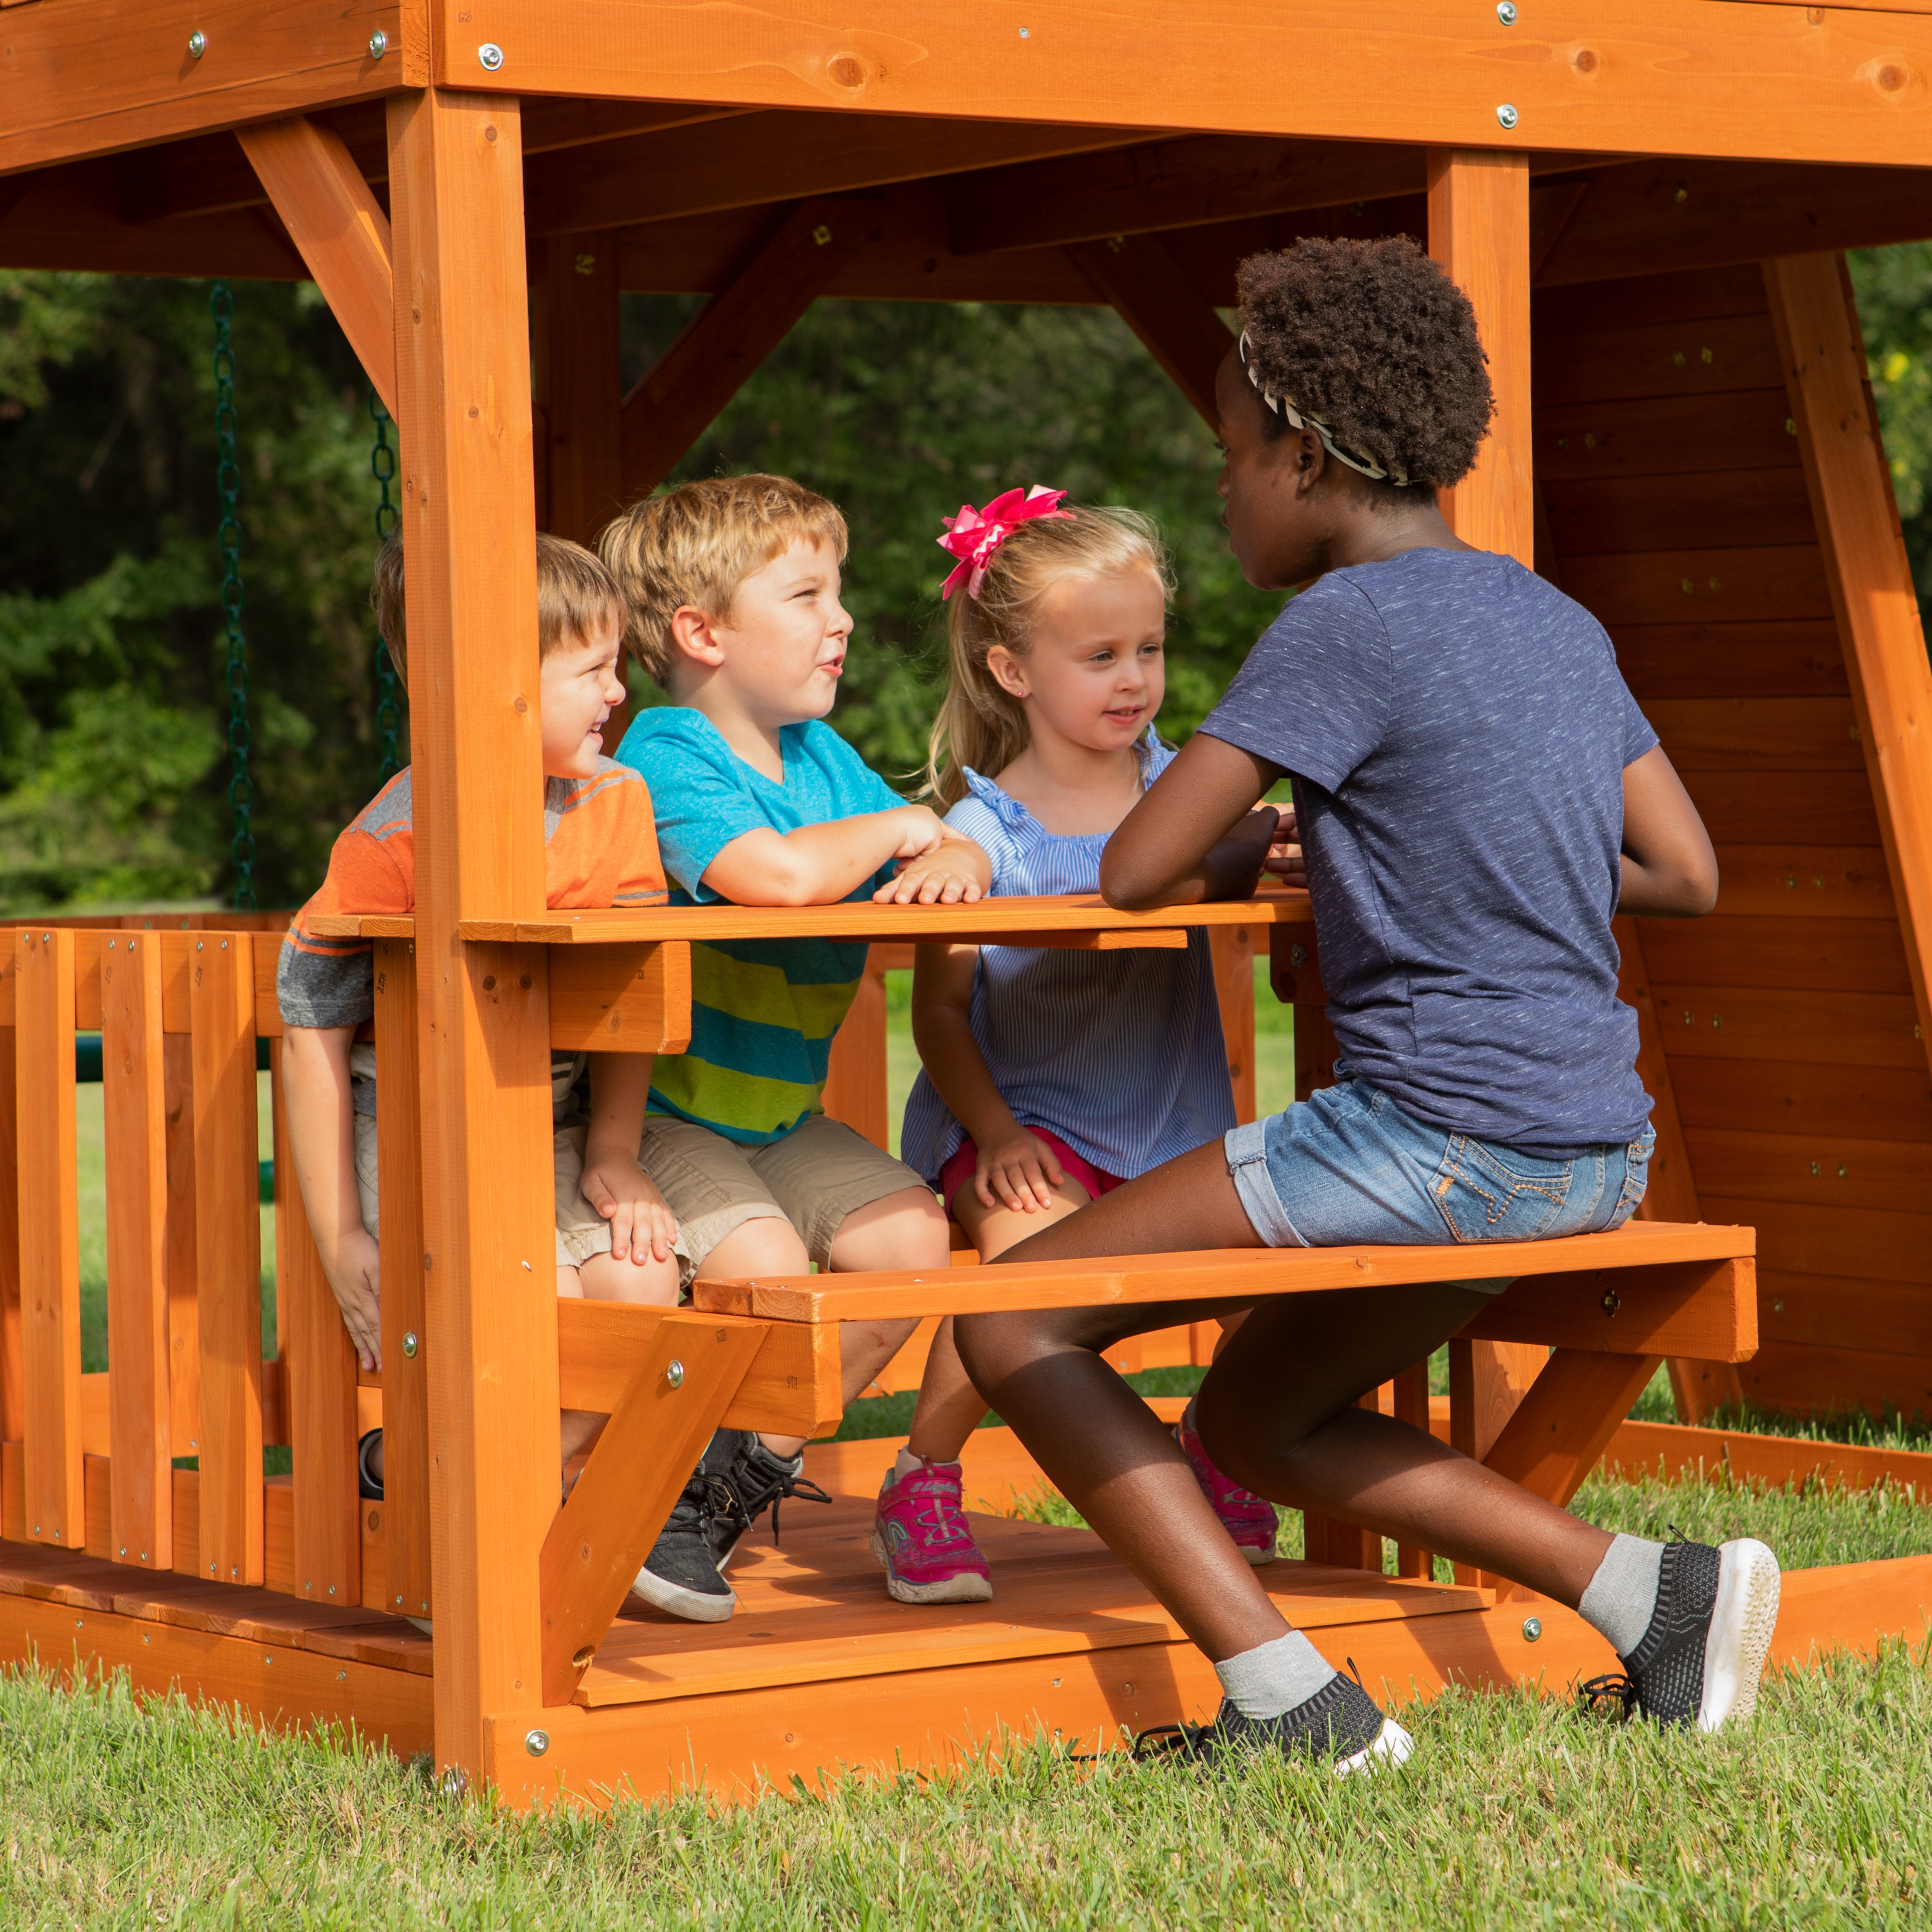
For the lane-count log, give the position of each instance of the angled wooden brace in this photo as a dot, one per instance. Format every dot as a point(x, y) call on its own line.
point(680, 396)
point(1158, 300)
point(684, 1381)
point(335, 220)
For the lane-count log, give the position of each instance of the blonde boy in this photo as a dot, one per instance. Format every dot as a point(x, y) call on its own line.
point(732, 586)
point(615, 1236)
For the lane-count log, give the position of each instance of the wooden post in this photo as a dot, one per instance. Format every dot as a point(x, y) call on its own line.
point(580, 385)
point(319, 1386)
point(134, 1109)
point(1479, 231)
point(488, 1260)
point(228, 1249)
point(1869, 576)
point(49, 1239)
point(183, 1355)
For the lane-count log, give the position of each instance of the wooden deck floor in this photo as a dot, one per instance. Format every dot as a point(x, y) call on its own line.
point(819, 1669)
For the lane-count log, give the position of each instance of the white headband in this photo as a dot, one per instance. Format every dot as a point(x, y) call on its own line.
point(1365, 465)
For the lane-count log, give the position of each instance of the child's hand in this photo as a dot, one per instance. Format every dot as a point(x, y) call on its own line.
point(1284, 860)
point(355, 1272)
point(643, 1227)
point(1018, 1170)
point(940, 878)
point(921, 830)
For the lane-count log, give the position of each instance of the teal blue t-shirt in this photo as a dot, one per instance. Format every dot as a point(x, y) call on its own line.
point(762, 1011)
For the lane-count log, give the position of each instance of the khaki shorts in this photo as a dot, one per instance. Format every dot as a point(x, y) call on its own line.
point(821, 1172)
point(581, 1231)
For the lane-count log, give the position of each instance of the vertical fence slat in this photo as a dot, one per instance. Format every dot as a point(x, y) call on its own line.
point(134, 1118)
point(182, 1260)
point(1233, 952)
point(318, 1387)
point(405, 1375)
point(12, 1425)
point(50, 1240)
point(228, 1243)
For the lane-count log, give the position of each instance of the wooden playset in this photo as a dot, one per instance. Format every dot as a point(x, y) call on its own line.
point(1648, 204)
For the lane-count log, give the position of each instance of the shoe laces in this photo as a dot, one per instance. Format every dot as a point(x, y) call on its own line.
point(937, 1509)
point(1612, 1694)
point(730, 1504)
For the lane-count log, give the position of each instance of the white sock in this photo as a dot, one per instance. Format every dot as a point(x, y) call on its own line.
point(1276, 1676)
point(1622, 1597)
point(905, 1464)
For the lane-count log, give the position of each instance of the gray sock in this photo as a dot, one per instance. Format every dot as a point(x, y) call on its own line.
point(1275, 1677)
point(1622, 1594)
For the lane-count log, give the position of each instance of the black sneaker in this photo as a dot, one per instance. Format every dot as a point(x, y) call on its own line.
point(1341, 1721)
point(680, 1575)
point(753, 1481)
point(1700, 1660)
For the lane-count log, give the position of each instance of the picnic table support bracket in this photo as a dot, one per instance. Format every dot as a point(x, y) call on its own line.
point(675, 1398)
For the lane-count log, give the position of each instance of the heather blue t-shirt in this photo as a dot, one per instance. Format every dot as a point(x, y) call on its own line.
point(1457, 731)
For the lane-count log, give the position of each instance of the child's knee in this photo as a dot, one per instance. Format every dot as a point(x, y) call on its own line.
point(766, 1245)
point(905, 1229)
point(651, 1283)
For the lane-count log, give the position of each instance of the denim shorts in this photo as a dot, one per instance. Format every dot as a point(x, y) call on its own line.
point(1348, 1167)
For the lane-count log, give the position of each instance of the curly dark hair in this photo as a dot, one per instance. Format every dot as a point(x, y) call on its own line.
point(1373, 338)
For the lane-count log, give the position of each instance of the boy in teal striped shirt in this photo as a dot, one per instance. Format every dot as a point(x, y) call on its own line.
point(733, 589)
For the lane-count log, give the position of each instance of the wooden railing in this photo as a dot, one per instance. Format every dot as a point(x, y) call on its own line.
point(88, 1461)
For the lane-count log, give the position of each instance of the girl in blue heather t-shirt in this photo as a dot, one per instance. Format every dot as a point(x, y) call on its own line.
point(1476, 795)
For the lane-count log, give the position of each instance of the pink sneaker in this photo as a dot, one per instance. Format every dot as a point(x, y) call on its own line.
point(1249, 1519)
point(921, 1539)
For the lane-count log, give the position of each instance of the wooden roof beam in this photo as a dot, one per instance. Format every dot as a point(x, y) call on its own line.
point(682, 393)
point(1164, 307)
point(209, 173)
point(1841, 84)
point(335, 221)
point(772, 156)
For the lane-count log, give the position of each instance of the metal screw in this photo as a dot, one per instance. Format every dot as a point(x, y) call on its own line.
point(821, 236)
point(1506, 115)
point(408, 1342)
point(491, 56)
point(674, 1375)
point(197, 44)
point(1506, 12)
point(585, 265)
point(378, 44)
point(1026, 33)
point(1297, 955)
point(1611, 1303)
point(124, 1549)
point(536, 1742)
point(1532, 1629)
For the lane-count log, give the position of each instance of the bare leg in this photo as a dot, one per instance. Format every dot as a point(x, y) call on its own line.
point(652, 1284)
point(905, 1230)
point(949, 1407)
point(1274, 1414)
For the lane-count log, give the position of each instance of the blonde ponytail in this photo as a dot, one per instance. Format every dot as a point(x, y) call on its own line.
point(980, 724)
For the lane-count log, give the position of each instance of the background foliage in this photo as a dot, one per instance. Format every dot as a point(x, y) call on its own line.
point(113, 774)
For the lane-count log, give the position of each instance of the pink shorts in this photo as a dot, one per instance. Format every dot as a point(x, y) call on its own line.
point(958, 1172)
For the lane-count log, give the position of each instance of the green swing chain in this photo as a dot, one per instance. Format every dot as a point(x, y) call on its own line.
point(388, 712)
point(228, 483)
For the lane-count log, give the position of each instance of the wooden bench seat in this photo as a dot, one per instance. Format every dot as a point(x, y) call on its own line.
point(763, 1354)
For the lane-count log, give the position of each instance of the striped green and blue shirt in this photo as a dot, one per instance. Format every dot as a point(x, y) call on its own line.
point(762, 1011)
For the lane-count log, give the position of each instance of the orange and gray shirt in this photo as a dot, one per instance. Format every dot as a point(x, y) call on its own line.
point(600, 849)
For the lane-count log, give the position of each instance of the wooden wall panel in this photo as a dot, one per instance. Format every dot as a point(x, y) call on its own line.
point(1796, 882)
point(1813, 955)
point(1666, 436)
point(1733, 1023)
point(1616, 514)
point(1785, 659)
point(1788, 1097)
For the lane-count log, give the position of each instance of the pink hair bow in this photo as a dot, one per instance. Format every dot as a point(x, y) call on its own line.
point(974, 535)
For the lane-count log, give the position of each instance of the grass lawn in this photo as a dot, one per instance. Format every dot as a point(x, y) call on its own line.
point(1512, 1811)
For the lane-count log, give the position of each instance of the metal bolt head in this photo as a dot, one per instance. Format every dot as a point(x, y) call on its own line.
point(674, 1375)
point(1506, 115)
point(491, 56)
point(536, 1742)
point(1532, 1629)
point(378, 44)
point(1506, 12)
point(1297, 955)
point(408, 1342)
point(197, 44)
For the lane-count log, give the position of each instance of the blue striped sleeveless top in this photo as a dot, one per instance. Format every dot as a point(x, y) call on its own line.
point(1120, 1054)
